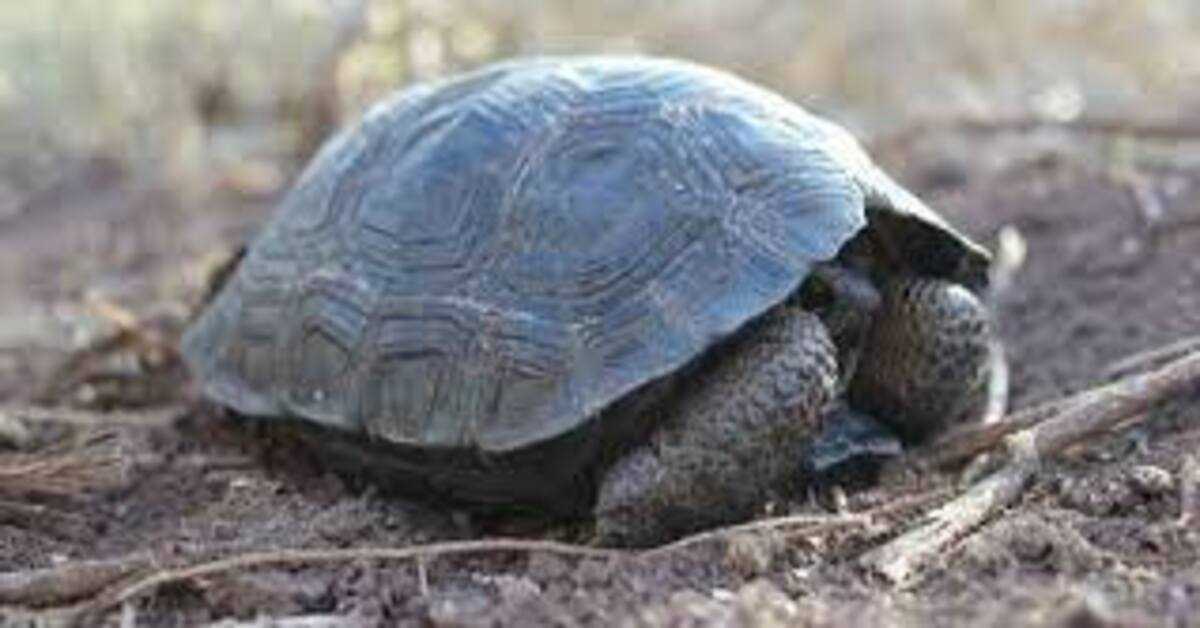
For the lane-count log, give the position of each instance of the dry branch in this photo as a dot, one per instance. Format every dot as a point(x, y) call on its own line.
point(899, 559)
point(129, 325)
point(806, 523)
point(100, 581)
point(106, 584)
point(59, 475)
point(91, 418)
point(151, 342)
point(67, 583)
point(1039, 433)
point(1074, 418)
point(1189, 491)
point(1153, 357)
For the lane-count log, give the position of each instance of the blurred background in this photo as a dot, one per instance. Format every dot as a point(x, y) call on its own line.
point(204, 95)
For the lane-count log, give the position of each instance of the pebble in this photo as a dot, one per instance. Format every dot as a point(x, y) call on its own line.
point(1150, 481)
point(13, 433)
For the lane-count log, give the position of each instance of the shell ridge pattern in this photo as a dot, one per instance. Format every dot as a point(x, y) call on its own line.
point(317, 358)
point(591, 277)
point(515, 250)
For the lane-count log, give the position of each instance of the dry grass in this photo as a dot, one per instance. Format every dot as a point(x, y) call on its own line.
point(180, 90)
point(67, 472)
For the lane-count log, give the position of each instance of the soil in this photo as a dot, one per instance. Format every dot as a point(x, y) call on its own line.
point(1098, 540)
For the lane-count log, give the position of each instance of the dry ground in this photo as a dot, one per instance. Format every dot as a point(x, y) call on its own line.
point(1097, 540)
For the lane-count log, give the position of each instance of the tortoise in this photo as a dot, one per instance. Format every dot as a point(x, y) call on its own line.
point(631, 287)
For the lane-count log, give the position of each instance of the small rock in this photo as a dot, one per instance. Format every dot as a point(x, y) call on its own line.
point(1150, 481)
point(723, 596)
point(13, 433)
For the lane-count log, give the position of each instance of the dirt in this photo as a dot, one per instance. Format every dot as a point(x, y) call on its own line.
point(1098, 540)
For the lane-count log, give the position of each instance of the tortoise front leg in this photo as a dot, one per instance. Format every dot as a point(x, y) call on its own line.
point(929, 359)
point(731, 441)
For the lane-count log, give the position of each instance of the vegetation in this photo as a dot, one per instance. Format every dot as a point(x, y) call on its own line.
point(181, 90)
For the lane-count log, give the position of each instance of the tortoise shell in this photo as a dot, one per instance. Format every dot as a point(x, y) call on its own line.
point(490, 261)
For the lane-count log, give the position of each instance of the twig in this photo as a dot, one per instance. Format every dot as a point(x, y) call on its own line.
point(1189, 491)
point(66, 469)
point(129, 324)
point(71, 416)
point(1140, 361)
point(67, 583)
point(154, 350)
point(1091, 413)
point(310, 557)
point(1097, 409)
point(422, 578)
point(1145, 198)
point(91, 579)
point(805, 523)
point(61, 475)
point(1112, 404)
point(899, 559)
point(815, 523)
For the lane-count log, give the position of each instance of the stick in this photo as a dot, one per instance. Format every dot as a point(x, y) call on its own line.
point(130, 325)
point(1189, 491)
point(98, 578)
point(59, 475)
point(71, 416)
point(66, 583)
point(808, 524)
point(815, 523)
point(1145, 198)
point(91, 579)
point(899, 559)
point(1116, 402)
point(1096, 410)
point(1091, 413)
point(1141, 360)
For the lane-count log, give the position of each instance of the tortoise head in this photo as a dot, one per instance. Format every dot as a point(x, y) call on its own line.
point(896, 244)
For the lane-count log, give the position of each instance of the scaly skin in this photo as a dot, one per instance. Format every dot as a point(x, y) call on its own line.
point(737, 436)
point(732, 440)
point(926, 362)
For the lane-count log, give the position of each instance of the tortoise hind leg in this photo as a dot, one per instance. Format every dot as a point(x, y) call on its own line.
point(731, 441)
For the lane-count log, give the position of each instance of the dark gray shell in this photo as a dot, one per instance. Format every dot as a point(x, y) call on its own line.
point(489, 261)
